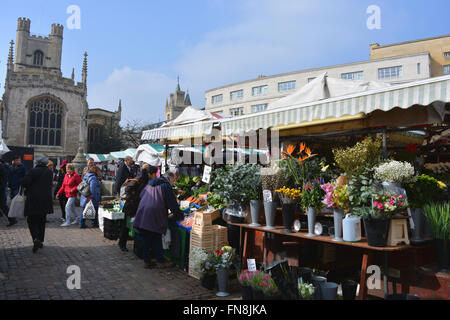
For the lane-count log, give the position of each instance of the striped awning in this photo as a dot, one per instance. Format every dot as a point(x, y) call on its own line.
point(179, 132)
point(435, 91)
point(98, 157)
point(119, 155)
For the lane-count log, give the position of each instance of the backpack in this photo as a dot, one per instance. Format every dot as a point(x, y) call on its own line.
point(84, 188)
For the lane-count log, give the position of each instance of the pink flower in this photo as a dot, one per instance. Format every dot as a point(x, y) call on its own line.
point(392, 202)
point(380, 206)
point(400, 197)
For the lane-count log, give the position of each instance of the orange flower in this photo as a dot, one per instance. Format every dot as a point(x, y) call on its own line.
point(308, 152)
point(290, 149)
point(302, 146)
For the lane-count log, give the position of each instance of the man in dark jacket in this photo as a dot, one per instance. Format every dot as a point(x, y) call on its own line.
point(17, 172)
point(125, 172)
point(4, 173)
point(38, 185)
point(152, 218)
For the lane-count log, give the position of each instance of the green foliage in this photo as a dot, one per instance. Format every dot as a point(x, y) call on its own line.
point(354, 160)
point(438, 216)
point(297, 173)
point(236, 184)
point(216, 201)
point(312, 196)
point(426, 189)
point(361, 189)
point(185, 183)
point(341, 197)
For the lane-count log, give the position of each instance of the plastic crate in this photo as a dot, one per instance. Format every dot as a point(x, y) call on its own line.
point(111, 229)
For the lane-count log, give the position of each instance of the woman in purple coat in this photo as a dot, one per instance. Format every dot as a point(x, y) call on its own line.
point(152, 216)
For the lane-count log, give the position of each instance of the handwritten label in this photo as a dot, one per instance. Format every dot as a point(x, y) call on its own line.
point(251, 264)
point(184, 204)
point(163, 166)
point(267, 194)
point(207, 174)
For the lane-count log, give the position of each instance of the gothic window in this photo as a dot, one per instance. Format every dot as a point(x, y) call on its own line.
point(45, 122)
point(38, 58)
point(94, 133)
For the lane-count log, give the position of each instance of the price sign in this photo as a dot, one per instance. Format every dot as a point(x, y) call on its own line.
point(163, 166)
point(267, 194)
point(184, 204)
point(206, 174)
point(251, 264)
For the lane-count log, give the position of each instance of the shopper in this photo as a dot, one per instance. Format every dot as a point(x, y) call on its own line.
point(51, 168)
point(4, 173)
point(69, 188)
point(91, 164)
point(62, 198)
point(124, 172)
point(152, 217)
point(38, 186)
point(132, 191)
point(17, 172)
point(91, 178)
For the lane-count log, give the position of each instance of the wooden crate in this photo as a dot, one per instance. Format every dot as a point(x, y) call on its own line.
point(220, 236)
point(203, 221)
point(203, 240)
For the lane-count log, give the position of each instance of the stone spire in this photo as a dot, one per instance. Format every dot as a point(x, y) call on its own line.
point(11, 55)
point(167, 104)
point(187, 100)
point(120, 106)
point(73, 73)
point(85, 69)
point(178, 84)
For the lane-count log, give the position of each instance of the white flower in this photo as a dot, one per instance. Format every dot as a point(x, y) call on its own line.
point(395, 171)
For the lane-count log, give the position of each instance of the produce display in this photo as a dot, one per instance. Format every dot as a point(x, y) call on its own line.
point(113, 205)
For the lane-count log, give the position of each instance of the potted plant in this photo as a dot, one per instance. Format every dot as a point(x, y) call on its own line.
point(306, 291)
point(423, 190)
point(393, 174)
point(289, 198)
point(312, 200)
point(198, 257)
point(270, 289)
point(377, 218)
point(208, 273)
point(245, 279)
point(255, 196)
point(255, 283)
point(438, 216)
point(223, 260)
point(272, 179)
point(340, 198)
point(296, 169)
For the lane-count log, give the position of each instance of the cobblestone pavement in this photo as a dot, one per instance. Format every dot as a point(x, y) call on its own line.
point(106, 272)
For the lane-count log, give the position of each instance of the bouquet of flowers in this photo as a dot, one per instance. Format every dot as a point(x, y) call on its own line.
point(305, 291)
point(329, 189)
point(340, 198)
point(395, 171)
point(388, 203)
point(264, 282)
point(223, 258)
point(207, 266)
point(312, 195)
point(245, 278)
point(288, 195)
point(198, 257)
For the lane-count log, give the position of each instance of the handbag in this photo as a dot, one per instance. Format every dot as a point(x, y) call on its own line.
point(84, 188)
point(17, 208)
point(89, 211)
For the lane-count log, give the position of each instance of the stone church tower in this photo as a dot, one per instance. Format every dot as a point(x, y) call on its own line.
point(179, 100)
point(41, 108)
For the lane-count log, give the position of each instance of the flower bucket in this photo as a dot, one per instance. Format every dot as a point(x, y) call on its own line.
point(270, 209)
point(305, 274)
point(209, 281)
point(377, 232)
point(329, 290)
point(247, 293)
point(288, 210)
point(222, 281)
point(419, 226)
point(349, 288)
point(257, 293)
point(317, 281)
point(338, 215)
point(255, 208)
point(311, 221)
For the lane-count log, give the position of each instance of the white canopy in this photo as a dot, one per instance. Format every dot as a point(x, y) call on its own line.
point(191, 115)
point(149, 153)
point(324, 87)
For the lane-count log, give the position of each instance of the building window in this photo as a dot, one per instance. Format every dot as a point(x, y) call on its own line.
point(257, 91)
point(94, 133)
point(311, 79)
point(38, 58)
point(352, 75)
point(217, 99)
point(447, 54)
point(418, 68)
point(237, 95)
point(447, 69)
point(391, 72)
point(45, 122)
point(286, 86)
point(259, 108)
point(237, 111)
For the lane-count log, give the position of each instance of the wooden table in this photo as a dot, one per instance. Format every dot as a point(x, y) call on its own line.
point(368, 253)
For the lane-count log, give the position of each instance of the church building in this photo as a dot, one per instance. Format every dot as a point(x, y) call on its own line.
point(179, 100)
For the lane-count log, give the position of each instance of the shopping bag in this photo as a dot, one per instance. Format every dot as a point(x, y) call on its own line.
point(89, 211)
point(123, 190)
point(17, 208)
point(84, 188)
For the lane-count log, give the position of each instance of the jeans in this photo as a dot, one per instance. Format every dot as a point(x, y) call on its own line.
point(94, 222)
point(71, 209)
point(154, 240)
point(36, 224)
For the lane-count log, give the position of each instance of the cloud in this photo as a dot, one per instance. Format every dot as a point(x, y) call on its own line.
point(143, 94)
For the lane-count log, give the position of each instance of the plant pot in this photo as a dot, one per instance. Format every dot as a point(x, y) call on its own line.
point(329, 290)
point(222, 281)
point(349, 288)
point(270, 209)
point(255, 208)
point(311, 221)
point(442, 248)
point(338, 215)
point(257, 293)
point(209, 281)
point(377, 232)
point(419, 226)
point(305, 274)
point(288, 210)
point(317, 281)
point(247, 293)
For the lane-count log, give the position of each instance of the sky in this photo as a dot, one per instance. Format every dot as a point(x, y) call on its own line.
point(137, 48)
